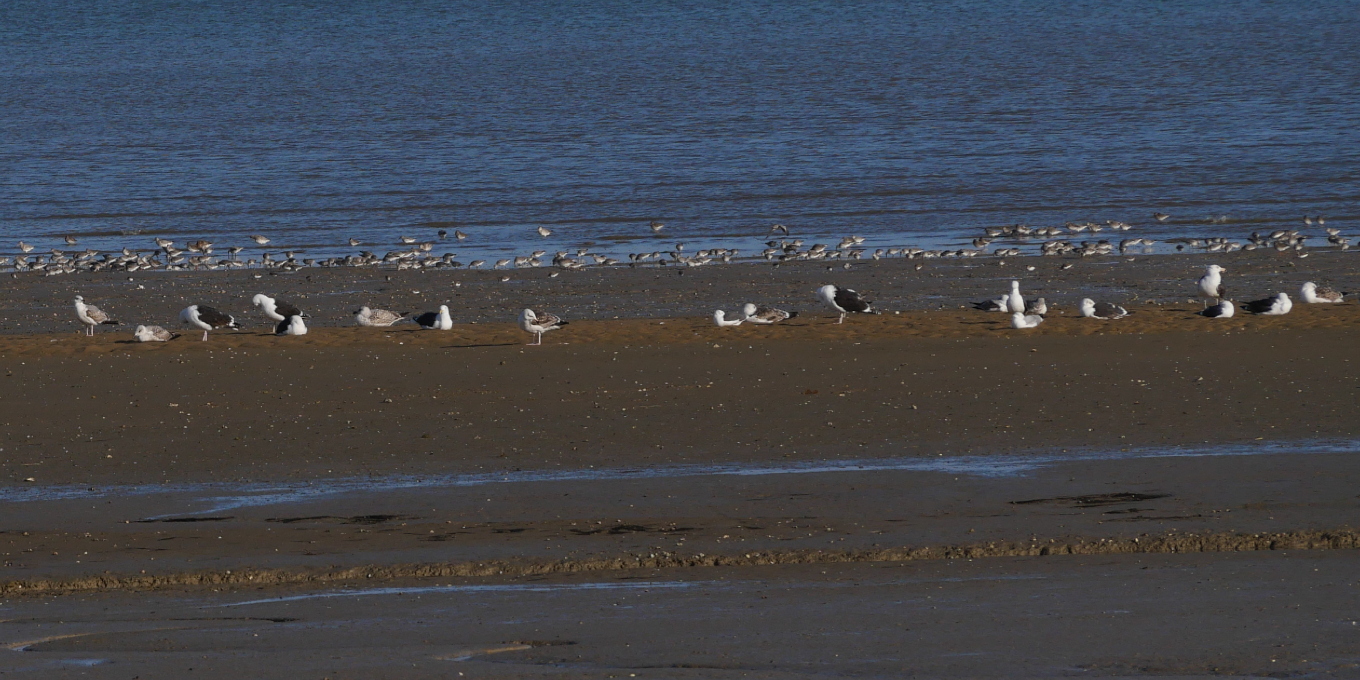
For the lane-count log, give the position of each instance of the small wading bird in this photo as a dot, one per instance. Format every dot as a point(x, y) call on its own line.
point(657, 227)
point(153, 334)
point(207, 319)
point(544, 232)
point(376, 317)
point(92, 316)
point(539, 323)
point(844, 301)
point(261, 240)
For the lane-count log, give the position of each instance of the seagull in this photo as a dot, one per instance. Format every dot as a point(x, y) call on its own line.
point(539, 323)
point(1160, 217)
point(1312, 294)
point(1036, 307)
point(207, 319)
point(1222, 310)
point(1271, 306)
point(997, 305)
point(1015, 303)
point(92, 316)
point(278, 310)
point(1211, 284)
point(843, 300)
point(763, 315)
point(720, 318)
point(544, 232)
point(657, 227)
point(436, 321)
point(291, 326)
point(261, 240)
point(376, 317)
point(1021, 320)
point(154, 334)
point(1102, 310)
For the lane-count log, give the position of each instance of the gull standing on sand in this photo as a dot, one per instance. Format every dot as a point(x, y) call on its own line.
point(1022, 320)
point(1312, 294)
point(1272, 306)
point(539, 323)
point(153, 334)
point(277, 310)
point(1222, 310)
point(436, 321)
point(764, 315)
point(92, 316)
point(207, 319)
point(291, 326)
point(720, 318)
point(844, 301)
point(1211, 284)
point(1015, 303)
point(376, 317)
point(1102, 310)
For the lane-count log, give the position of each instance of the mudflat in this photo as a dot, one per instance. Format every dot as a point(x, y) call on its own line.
point(826, 470)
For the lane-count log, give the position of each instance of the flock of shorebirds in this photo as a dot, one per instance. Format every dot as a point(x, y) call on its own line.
point(413, 253)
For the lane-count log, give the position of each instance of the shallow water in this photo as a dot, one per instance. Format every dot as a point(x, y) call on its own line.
point(915, 123)
point(222, 497)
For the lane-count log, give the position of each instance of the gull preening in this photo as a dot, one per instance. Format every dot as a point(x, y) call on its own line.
point(376, 317)
point(436, 321)
point(720, 318)
point(1036, 307)
point(1022, 320)
point(764, 315)
point(1015, 303)
point(844, 301)
point(1211, 284)
point(539, 323)
point(1272, 306)
point(92, 316)
point(1223, 310)
point(153, 334)
point(1313, 294)
point(277, 310)
point(291, 326)
point(1102, 310)
point(207, 319)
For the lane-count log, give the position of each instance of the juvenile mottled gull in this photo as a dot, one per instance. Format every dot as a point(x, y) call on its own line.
point(154, 334)
point(539, 323)
point(92, 316)
point(1313, 294)
point(764, 315)
point(376, 317)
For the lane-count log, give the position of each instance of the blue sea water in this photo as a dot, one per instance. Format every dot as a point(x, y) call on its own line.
point(908, 123)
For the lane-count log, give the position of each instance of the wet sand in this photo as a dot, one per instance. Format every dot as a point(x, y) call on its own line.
point(1078, 454)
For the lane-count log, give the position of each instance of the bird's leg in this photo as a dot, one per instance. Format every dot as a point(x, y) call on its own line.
point(842, 319)
point(205, 336)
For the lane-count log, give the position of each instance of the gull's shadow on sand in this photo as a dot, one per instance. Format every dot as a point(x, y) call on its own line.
point(484, 344)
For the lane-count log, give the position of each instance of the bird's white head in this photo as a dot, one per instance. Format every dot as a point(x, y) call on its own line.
point(827, 293)
point(1088, 307)
point(528, 315)
point(1015, 285)
point(1282, 297)
point(1214, 269)
point(261, 299)
point(747, 309)
point(295, 325)
point(80, 298)
point(1307, 288)
point(189, 313)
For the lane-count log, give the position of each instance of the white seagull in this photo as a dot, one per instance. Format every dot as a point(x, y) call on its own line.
point(277, 310)
point(92, 316)
point(1312, 294)
point(153, 334)
point(1102, 310)
point(764, 315)
point(207, 319)
point(1271, 306)
point(720, 318)
point(436, 321)
point(291, 326)
point(539, 323)
point(1223, 310)
point(1022, 320)
point(843, 300)
point(1211, 284)
point(1015, 303)
point(376, 317)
